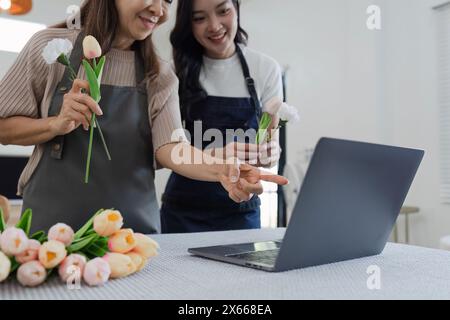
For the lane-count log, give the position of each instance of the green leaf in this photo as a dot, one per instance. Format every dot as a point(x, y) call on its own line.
point(102, 242)
point(88, 226)
point(2, 221)
point(93, 81)
point(39, 236)
point(95, 250)
point(80, 245)
point(14, 265)
point(63, 60)
point(103, 140)
point(89, 156)
point(264, 123)
point(25, 221)
point(99, 68)
point(49, 272)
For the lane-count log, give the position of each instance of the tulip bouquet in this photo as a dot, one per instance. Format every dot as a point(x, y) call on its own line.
point(58, 50)
point(276, 114)
point(100, 250)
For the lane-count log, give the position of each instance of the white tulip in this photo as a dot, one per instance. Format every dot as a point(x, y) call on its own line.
point(55, 49)
point(288, 113)
point(5, 266)
point(91, 48)
point(31, 274)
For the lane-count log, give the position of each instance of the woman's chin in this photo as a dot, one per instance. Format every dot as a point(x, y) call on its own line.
point(141, 35)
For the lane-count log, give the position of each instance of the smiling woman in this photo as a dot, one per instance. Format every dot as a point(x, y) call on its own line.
point(223, 86)
point(139, 111)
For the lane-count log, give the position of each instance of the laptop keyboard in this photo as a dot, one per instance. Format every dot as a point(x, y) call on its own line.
point(266, 256)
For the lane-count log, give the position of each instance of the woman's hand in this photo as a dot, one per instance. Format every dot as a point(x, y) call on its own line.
point(265, 155)
point(269, 154)
point(242, 181)
point(76, 110)
point(245, 152)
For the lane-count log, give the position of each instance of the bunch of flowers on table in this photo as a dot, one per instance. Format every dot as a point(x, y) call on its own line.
point(99, 251)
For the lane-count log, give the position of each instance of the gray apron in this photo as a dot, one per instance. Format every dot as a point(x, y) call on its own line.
point(57, 193)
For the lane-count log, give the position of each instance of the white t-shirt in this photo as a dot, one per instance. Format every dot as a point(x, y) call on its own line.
point(225, 78)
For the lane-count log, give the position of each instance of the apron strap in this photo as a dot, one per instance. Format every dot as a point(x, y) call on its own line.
point(76, 58)
point(250, 82)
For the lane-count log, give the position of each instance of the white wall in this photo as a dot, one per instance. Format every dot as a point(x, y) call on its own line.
point(367, 85)
point(409, 65)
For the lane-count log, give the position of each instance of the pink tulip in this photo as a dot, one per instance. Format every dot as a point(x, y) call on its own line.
point(31, 253)
point(145, 246)
point(61, 232)
point(91, 48)
point(108, 222)
point(13, 241)
point(74, 260)
point(120, 264)
point(52, 253)
point(122, 241)
point(31, 274)
point(139, 261)
point(96, 272)
point(5, 266)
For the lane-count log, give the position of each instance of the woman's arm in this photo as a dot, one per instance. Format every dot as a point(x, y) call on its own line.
point(24, 131)
point(190, 162)
point(76, 110)
point(240, 180)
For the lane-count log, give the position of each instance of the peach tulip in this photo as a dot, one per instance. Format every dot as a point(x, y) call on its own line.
point(31, 253)
point(108, 222)
point(91, 48)
point(120, 264)
point(13, 241)
point(74, 260)
point(122, 241)
point(5, 266)
point(145, 246)
point(61, 232)
point(96, 272)
point(31, 274)
point(139, 261)
point(52, 253)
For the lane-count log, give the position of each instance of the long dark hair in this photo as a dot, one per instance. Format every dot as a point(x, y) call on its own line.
point(100, 19)
point(188, 53)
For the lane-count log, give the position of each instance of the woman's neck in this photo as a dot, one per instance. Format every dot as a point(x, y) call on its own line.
point(228, 53)
point(122, 42)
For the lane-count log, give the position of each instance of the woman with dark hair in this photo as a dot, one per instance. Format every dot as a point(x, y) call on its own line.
point(138, 113)
point(223, 85)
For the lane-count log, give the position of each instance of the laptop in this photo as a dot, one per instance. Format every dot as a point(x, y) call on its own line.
point(346, 209)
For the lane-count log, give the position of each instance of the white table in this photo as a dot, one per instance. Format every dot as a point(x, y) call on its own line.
point(406, 273)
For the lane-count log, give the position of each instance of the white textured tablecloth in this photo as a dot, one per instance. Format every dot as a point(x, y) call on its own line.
point(406, 273)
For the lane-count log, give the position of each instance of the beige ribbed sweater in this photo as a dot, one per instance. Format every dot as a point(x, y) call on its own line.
point(28, 87)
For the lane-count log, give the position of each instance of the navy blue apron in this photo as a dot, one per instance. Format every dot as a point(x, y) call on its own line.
point(196, 206)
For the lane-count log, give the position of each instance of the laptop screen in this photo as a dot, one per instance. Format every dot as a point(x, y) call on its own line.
point(11, 168)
